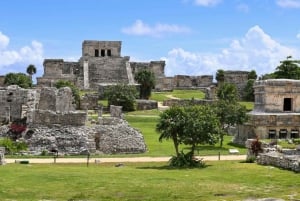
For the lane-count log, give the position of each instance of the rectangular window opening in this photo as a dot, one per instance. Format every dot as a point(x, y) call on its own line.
point(287, 104)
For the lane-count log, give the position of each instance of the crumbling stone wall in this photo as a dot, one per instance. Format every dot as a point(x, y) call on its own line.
point(238, 78)
point(55, 107)
point(14, 100)
point(146, 104)
point(182, 102)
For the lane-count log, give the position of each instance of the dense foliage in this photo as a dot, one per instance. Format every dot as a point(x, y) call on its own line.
point(146, 79)
point(227, 91)
point(190, 125)
point(12, 147)
point(20, 79)
point(75, 90)
point(122, 95)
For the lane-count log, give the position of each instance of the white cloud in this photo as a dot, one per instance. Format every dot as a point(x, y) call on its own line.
point(142, 29)
point(288, 3)
point(255, 51)
point(207, 2)
point(4, 40)
point(18, 60)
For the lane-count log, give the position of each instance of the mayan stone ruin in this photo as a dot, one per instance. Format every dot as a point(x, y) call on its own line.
point(101, 64)
point(54, 124)
point(276, 112)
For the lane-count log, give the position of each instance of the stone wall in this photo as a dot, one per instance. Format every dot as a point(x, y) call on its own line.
point(13, 100)
point(48, 118)
point(146, 104)
point(238, 78)
point(89, 102)
point(288, 162)
point(116, 136)
point(182, 102)
point(186, 81)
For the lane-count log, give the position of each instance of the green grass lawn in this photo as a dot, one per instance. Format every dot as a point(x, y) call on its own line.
point(220, 180)
point(182, 94)
point(147, 127)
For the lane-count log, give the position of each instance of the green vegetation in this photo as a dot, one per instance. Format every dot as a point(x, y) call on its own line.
point(221, 180)
point(182, 94)
point(20, 79)
point(147, 126)
point(146, 79)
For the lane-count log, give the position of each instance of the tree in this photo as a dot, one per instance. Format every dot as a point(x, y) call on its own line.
point(20, 79)
point(220, 76)
point(121, 95)
point(249, 90)
point(75, 90)
point(146, 79)
point(201, 126)
point(252, 75)
point(171, 125)
point(288, 69)
point(230, 113)
point(31, 69)
point(190, 125)
point(228, 92)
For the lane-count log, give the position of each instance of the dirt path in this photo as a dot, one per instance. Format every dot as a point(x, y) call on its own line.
point(119, 160)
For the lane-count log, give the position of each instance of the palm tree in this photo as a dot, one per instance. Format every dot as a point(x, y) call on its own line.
point(31, 69)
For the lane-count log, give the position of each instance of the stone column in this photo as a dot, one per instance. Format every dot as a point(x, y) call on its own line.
point(86, 75)
point(2, 159)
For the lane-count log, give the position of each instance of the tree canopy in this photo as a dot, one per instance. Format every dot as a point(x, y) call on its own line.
point(146, 79)
point(20, 79)
point(122, 95)
point(189, 125)
point(31, 70)
point(228, 92)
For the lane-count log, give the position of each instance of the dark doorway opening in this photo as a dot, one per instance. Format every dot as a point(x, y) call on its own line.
point(109, 53)
point(96, 53)
point(272, 134)
point(294, 133)
point(287, 104)
point(283, 133)
point(102, 53)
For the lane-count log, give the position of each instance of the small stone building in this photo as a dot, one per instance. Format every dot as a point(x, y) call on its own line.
point(276, 111)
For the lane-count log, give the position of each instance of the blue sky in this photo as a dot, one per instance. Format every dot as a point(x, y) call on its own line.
point(194, 37)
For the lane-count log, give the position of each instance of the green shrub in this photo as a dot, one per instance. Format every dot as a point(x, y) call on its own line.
point(186, 161)
point(12, 147)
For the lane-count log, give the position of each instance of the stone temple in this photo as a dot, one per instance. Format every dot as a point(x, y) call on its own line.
point(276, 113)
point(101, 62)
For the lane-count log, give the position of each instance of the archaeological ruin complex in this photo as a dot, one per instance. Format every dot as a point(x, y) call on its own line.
point(276, 112)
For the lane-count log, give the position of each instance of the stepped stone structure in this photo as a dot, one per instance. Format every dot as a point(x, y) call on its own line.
point(101, 62)
point(276, 112)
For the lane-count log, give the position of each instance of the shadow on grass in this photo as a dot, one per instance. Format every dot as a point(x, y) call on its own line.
point(235, 145)
point(167, 167)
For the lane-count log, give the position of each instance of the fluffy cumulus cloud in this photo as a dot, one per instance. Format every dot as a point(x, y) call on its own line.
point(288, 3)
point(17, 60)
point(207, 2)
point(141, 29)
point(255, 51)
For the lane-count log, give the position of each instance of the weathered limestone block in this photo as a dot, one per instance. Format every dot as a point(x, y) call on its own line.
point(146, 104)
point(116, 111)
